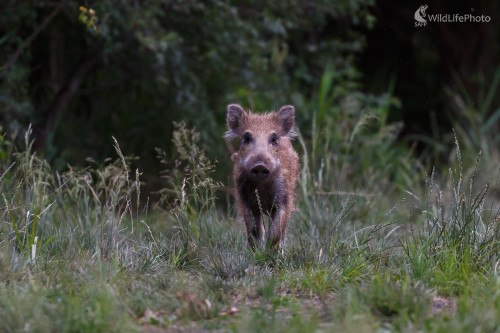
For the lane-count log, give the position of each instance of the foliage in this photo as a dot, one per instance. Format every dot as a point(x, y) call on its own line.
point(377, 242)
point(138, 67)
point(357, 262)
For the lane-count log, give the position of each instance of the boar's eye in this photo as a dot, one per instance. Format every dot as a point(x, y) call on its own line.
point(273, 139)
point(247, 138)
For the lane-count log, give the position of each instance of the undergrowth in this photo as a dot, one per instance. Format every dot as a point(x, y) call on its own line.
point(83, 250)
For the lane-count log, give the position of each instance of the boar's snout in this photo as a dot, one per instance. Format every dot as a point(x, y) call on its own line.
point(259, 172)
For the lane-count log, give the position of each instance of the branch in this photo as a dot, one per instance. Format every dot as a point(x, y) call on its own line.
point(28, 40)
point(62, 99)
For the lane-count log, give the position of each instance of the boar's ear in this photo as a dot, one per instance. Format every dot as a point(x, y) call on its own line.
point(235, 117)
point(286, 116)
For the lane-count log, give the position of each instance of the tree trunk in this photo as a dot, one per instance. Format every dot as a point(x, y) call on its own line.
point(45, 130)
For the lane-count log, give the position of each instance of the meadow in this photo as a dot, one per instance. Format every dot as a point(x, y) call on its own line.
point(379, 241)
point(116, 211)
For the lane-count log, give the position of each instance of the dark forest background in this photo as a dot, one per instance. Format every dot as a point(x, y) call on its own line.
point(81, 72)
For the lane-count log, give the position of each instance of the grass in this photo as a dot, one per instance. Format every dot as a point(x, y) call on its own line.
point(368, 250)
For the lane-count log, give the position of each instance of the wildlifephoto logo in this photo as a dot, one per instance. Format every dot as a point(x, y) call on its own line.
point(422, 17)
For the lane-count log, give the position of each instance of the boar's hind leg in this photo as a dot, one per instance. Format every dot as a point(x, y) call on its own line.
point(255, 228)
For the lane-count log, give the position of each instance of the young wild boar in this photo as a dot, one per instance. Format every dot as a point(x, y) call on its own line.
point(266, 168)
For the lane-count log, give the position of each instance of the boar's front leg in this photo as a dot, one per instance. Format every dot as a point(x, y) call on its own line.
point(277, 227)
point(255, 228)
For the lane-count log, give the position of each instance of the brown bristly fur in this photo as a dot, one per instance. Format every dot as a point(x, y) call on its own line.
point(266, 170)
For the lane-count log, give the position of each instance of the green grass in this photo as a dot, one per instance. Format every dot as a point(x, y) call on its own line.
point(82, 251)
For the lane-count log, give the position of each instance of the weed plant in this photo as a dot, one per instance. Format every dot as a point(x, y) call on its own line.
point(375, 244)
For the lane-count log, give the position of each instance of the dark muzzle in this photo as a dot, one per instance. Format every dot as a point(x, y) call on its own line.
point(259, 172)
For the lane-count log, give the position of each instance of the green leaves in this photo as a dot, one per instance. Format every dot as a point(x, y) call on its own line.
point(89, 18)
point(27, 243)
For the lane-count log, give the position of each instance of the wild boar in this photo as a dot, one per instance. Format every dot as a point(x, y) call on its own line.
point(266, 168)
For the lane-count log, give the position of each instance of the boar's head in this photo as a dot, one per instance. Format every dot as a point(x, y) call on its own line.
point(261, 136)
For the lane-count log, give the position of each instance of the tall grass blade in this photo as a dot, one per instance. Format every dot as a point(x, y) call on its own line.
point(33, 230)
point(491, 92)
point(18, 237)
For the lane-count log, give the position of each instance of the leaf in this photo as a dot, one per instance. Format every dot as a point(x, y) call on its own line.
point(48, 241)
point(233, 310)
point(152, 317)
point(194, 306)
point(18, 237)
point(33, 230)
